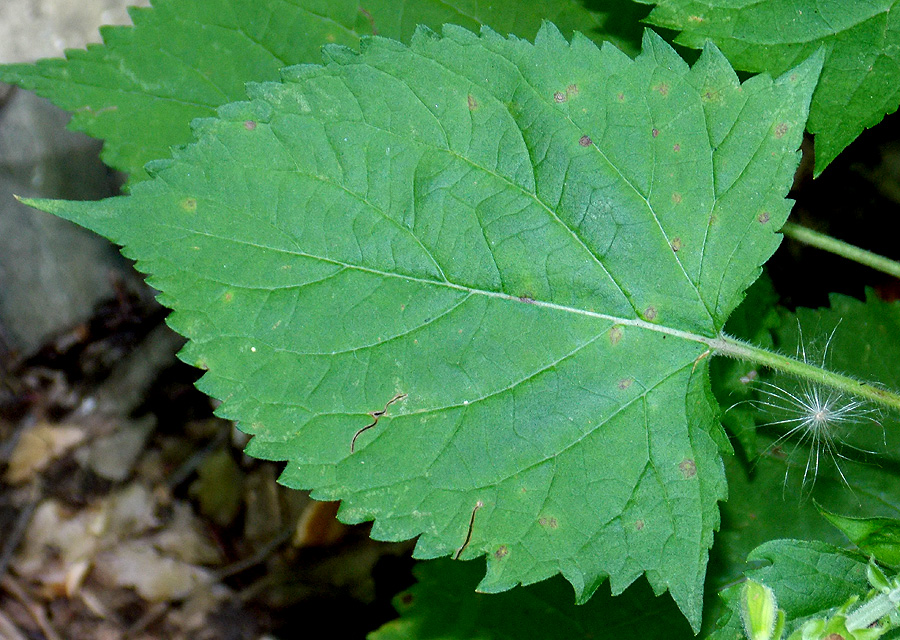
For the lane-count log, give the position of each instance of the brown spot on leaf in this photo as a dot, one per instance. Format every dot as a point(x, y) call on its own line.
point(624, 383)
point(473, 103)
point(834, 636)
point(371, 20)
point(676, 148)
point(189, 205)
point(676, 244)
point(663, 88)
point(406, 599)
point(559, 96)
point(650, 313)
point(654, 132)
point(249, 125)
point(585, 141)
point(780, 129)
point(229, 296)
point(572, 89)
point(501, 552)
point(688, 468)
point(639, 525)
point(763, 217)
point(620, 97)
point(550, 523)
point(676, 199)
point(615, 335)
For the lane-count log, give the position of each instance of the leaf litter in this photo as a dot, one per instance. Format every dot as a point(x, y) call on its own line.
point(128, 511)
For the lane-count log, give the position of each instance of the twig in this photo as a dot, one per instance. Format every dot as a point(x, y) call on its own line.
point(257, 558)
point(34, 609)
point(8, 629)
point(190, 465)
point(18, 532)
point(154, 613)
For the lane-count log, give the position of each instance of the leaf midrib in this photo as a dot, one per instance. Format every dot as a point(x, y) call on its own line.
point(709, 341)
point(550, 210)
point(525, 192)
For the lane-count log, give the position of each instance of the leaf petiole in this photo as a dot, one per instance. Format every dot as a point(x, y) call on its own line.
point(841, 248)
point(732, 347)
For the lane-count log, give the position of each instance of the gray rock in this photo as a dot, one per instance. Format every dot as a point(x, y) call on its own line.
point(32, 29)
point(52, 273)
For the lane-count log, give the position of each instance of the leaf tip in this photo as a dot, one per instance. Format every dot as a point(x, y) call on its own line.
point(41, 204)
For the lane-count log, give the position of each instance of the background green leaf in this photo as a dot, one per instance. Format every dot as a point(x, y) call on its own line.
point(864, 345)
point(860, 81)
point(141, 89)
point(767, 498)
point(444, 604)
point(523, 247)
point(808, 578)
point(876, 537)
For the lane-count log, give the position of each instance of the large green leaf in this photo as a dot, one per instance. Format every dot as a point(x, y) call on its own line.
point(507, 261)
point(860, 80)
point(140, 90)
point(444, 605)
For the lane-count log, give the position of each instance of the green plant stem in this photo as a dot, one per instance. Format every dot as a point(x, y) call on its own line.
point(874, 610)
point(734, 348)
point(838, 247)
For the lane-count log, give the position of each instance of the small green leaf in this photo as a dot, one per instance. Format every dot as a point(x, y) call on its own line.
point(759, 611)
point(468, 287)
point(876, 537)
point(141, 89)
point(860, 81)
point(806, 579)
point(444, 605)
point(807, 576)
point(876, 577)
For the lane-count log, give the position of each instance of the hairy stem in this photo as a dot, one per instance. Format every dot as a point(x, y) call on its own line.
point(873, 610)
point(735, 348)
point(838, 247)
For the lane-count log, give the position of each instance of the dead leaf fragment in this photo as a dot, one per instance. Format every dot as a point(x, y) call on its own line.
point(155, 577)
point(38, 447)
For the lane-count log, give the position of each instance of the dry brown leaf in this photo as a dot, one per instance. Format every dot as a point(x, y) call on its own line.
point(155, 577)
point(38, 447)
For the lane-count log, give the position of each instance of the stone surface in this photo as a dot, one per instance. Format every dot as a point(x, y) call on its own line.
point(32, 29)
point(52, 273)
